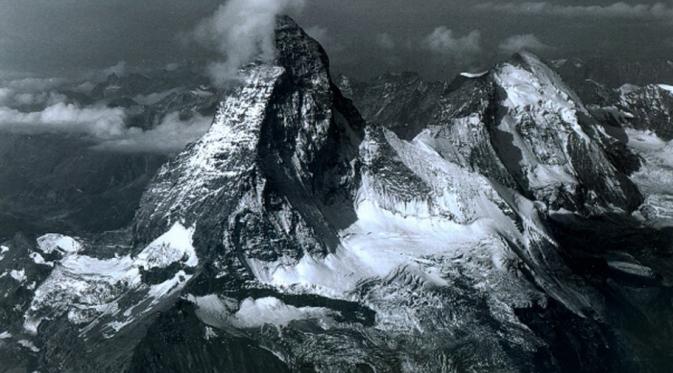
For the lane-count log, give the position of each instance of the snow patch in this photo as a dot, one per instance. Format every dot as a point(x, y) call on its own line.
point(39, 259)
point(28, 344)
point(173, 246)
point(18, 275)
point(57, 242)
point(666, 87)
point(221, 312)
point(258, 312)
point(87, 288)
point(473, 75)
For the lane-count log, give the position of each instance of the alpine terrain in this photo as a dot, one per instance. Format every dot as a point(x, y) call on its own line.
point(493, 223)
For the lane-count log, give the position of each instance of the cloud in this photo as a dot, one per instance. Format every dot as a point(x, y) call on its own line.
point(242, 31)
point(118, 69)
point(616, 10)
point(517, 43)
point(443, 41)
point(34, 84)
point(385, 41)
point(96, 121)
point(170, 136)
point(31, 92)
point(106, 127)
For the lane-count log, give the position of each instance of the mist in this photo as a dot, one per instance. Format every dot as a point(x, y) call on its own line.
point(241, 31)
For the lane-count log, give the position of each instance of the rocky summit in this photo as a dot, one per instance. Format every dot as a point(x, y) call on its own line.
point(493, 223)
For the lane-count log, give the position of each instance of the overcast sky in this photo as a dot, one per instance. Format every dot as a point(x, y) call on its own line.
point(363, 37)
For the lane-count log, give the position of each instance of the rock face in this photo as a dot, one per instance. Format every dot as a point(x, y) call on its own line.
point(649, 108)
point(521, 125)
point(296, 236)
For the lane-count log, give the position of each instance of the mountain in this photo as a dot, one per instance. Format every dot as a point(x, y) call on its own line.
point(487, 224)
point(640, 117)
point(521, 124)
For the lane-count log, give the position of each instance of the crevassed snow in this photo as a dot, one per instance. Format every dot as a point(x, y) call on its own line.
point(48, 243)
point(87, 288)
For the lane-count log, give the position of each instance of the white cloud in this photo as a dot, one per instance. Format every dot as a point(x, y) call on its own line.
point(443, 41)
point(31, 92)
point(241, 31)
point(95, 121)
point(170, 136)
point(615, 10)
point(106, 127)
point(385, 41)
point(517, 43)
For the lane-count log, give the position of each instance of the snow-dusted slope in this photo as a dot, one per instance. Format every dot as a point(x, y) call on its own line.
point(655, 176)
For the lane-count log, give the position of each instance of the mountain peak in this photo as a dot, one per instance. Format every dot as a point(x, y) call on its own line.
point(297, 52)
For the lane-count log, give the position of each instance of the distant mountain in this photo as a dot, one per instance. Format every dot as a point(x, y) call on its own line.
point(62, 182)
point(492, 223)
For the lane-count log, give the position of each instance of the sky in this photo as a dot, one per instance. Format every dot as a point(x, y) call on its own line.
point(50, 47)
point(363, 37)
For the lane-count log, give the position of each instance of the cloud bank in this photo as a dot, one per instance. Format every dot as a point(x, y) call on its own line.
point(443, 41)
point(97, 121)
point(657, 11)
point(106, 127)
point(517, 43)
point(242, 31)
point(170, 136)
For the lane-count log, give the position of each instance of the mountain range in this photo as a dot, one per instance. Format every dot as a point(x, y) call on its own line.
point(516, 220)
